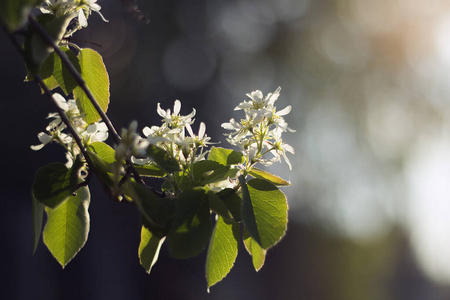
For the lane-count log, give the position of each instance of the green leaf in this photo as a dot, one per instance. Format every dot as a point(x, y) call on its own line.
point(36, 49)
point(67, 227)
point(46, 72)
point(102, 168)
point(257, 173)
point(62, 74)
point(222, 250)
point(167, 163)
point(232, 201)
point(149, 249)
point(257, 253)
point(53, 184)
point(264, 211)
point(207, 171)
point(153, 208)
point(104, 151)
point(14, 13)
point(225, 156)
point(94, 73)
point(191, 227)
point(150, 170)
point(38, 218)
point(218, 205)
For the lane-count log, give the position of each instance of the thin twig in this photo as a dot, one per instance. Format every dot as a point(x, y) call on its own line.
point(66, 121)
point(116, 138)
point(49, 40)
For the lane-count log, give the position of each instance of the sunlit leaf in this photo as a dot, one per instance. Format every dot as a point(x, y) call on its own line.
point(257, 173)
point(207, 171)
point(53, 184)
point(232, 201)
point(105, 151)
point(191, 225)
point(62, 74)
point(218, 205)
point(222, 250)
point(46, 72)
point(67, 227)
point(257, 253)
point(264, 211)
point(94, 73)
point(102, 168)
point(225, 156)
point(149, 248)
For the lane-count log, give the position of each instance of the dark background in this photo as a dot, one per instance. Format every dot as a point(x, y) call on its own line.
point(361, 101)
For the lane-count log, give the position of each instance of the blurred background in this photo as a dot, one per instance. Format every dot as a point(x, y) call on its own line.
point(370, 195)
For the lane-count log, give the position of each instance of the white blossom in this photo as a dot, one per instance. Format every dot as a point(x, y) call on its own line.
point(260, 131)
point(89, 133)
point(175, 120)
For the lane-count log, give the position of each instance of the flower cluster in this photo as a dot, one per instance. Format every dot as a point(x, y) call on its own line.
point(89, 133)
point(171, 136)
point(260, 131)
point(131, 146)
point(77, 8)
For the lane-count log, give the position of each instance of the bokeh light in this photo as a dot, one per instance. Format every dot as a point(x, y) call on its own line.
point(368, 83)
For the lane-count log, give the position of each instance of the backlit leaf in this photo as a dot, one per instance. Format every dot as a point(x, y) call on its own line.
point(105, 151)
point(149, 249)
point(191, 228)
point(62, 74)
point(207, 171)
point(264, 211)
point(53, 184)
point(257, 173)
point(154, 211)
point(257, 253)
point(94, 73)
point(67, 227)
point(222, 250)
point(225, 156)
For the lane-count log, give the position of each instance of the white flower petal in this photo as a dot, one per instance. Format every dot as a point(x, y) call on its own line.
point(100, 136)
point(37, 147)
point(82, 18)
point(92, 128)
point(160, 111)
point(61, 101)
point(147, 131)
point(201, 130)
point(189, 129)
point(44, 138)
point(284, 111)
point(102, 126)
point(177, 107)
point(140, 161)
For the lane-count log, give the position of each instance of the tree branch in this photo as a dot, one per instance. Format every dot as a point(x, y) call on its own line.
point(116, 138)
point(49, 40)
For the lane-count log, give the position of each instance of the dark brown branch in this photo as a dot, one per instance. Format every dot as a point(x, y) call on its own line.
point(49, 40)
point(65, 60)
